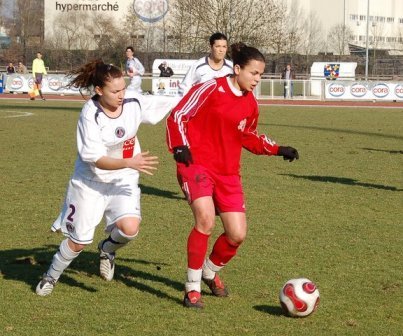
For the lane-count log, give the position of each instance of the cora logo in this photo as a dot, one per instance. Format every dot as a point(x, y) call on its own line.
point(150, 11)
point(17, 83)
point(55, 84)
point(337, 90)
point(399, 90)
point(380, 90)
point(358, 90)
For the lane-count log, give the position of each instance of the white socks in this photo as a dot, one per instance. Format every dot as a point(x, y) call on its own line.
point(61, 260)
point(115, 241)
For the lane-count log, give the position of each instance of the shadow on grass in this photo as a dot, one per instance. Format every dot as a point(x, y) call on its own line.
point(272, 310)
point(159, 192)
point(343, 180)
point(28, 265)
point(384, 150)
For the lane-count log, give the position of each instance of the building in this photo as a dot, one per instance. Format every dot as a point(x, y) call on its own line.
point(385, 20)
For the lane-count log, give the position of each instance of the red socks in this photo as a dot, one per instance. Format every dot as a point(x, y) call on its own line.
point(197, 249)
point(223, 251)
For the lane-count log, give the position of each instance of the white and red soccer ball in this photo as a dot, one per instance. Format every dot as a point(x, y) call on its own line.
point(299, 297)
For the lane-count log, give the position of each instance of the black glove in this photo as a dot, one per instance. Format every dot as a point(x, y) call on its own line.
point(182, 154)
point(288, 153)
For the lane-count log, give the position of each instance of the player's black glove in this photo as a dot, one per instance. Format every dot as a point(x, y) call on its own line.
point(182, 154)
point(288, 153)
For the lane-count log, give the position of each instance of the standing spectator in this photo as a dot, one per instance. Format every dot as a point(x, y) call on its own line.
point(288, 75)
point(107, 169)
point(212, 66)
point(38, 71)
point(134, 69)
point(10, 69)
point(21, 68)
point(206, 132)
point(166, 71)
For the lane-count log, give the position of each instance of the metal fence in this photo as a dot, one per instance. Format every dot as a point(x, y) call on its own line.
point(297, 89)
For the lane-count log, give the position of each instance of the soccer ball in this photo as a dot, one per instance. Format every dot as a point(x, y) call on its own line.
point(299, 297)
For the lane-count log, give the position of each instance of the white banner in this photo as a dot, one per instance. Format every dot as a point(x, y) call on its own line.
point(362, 90)
point(51, 84)
point(168, 86)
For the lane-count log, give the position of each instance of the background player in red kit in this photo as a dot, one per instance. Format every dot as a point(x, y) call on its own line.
point(206, 132)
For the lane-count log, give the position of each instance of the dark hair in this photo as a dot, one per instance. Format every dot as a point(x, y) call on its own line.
point(241, 54)
point(95, 73)
point(131, 48)
point(217, 36)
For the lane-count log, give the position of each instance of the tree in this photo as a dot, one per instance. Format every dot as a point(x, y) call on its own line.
point(312, 39)
point(339, 36)
point(252, 22)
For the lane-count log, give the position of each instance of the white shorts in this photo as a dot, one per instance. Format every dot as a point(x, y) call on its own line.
point(88, 201)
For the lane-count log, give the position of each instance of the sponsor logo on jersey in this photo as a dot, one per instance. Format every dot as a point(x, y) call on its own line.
point(128, 148)
point(221, 89)
point(120, 132)
point(242, 125)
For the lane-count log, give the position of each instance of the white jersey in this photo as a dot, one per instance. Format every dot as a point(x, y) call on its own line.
point(99, 135)
point(201, 72)
point(134, 65)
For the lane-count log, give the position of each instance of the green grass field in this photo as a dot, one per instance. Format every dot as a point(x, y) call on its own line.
point(334, 216)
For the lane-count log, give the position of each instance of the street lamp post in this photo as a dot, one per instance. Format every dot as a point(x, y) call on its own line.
point(366, 49)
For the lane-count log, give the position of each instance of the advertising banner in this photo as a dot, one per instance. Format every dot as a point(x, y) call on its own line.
point(51, 84)
point(168, 86)
point(363, 90)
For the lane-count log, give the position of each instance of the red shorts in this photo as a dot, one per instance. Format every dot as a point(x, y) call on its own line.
point(226, 190)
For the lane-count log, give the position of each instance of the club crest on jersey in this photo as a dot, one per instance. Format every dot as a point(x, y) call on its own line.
point(70, 227)
point(242, 125)
point(120, 132)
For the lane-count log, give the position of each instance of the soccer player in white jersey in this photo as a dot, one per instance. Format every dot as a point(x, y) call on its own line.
point(212, 66)
point(106, 174)
point(134, 69)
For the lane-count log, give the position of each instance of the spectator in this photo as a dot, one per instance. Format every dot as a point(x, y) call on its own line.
point(10, 69)
point(288, 75)
point(166, 71)
point(22, 69)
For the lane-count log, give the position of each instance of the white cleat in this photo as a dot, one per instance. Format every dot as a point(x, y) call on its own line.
point(46, 285)
point(106, 264)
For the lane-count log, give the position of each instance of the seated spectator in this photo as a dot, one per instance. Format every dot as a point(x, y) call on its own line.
point(166, 71)
point(21, 68)
point(10, 69)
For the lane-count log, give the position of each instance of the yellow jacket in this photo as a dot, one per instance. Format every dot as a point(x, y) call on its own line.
point(38, 66)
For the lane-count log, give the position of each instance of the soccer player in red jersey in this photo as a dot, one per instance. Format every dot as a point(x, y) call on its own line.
point(206, 132)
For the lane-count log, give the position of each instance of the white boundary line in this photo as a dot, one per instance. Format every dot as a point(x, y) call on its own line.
point(17, 115)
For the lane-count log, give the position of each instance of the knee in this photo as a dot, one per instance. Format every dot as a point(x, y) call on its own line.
point(205, 224)
point(75, 247)
point(129, 226)
point(236, 238)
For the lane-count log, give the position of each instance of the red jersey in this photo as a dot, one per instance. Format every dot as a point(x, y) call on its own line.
point(215, 120)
